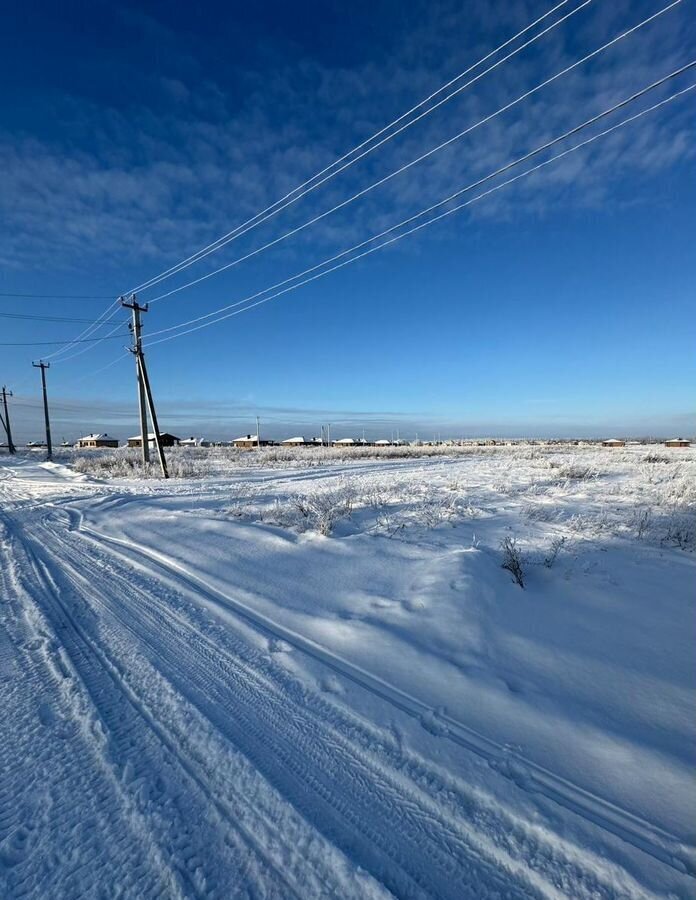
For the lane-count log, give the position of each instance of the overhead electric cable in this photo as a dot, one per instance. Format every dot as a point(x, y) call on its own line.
point(326, 174)
point(420, 158)
point(199, 322)
point(59, 296)
point(49, 343)
point(237, 232)
point(34, 318)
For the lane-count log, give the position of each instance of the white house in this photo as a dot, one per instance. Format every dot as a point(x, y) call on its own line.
point(345, 442)
point(298, 441)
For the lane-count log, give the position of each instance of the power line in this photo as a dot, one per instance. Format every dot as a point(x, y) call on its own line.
point(33, 318)
point(422, 157)
point(326, 173)
point(49, 343)
point(272, 210)
point(60, 296)
point(204, 324)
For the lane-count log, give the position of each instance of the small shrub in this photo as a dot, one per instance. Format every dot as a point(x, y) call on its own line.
point(641, 521)
point(557, 544)
point(321, 512)
point(512, 560)
point(574, 472)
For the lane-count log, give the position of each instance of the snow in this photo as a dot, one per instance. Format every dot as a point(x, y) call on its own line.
point(325, 668)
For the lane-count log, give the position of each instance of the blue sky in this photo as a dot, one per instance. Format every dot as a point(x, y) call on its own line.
point(132, 135)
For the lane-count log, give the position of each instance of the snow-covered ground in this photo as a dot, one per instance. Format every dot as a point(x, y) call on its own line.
point(314, 678)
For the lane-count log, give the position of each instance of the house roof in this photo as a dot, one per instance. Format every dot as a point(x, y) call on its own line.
point(294, 440)
point(677, 441)
point(613, 441)
point(151, 436)
point(382, 442)
point(247, 437)
point(96, 437)
point(345, 441)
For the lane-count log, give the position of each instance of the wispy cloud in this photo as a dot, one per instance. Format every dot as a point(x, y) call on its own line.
point(144, 184)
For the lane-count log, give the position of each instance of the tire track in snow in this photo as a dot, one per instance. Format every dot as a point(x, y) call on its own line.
point(59, 809)
point(158, 616)
point(527, 774)
point(396, 833)
point(152, 776)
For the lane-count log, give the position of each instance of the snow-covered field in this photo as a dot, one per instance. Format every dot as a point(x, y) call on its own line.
point(308, 676)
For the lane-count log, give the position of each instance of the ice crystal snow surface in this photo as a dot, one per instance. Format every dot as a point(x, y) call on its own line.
point(314, 680)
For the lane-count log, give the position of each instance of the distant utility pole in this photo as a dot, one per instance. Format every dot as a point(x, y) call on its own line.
point(6, 421)
point(328, 435)
point(43, 366)
point(145, 400)
point(258, 436)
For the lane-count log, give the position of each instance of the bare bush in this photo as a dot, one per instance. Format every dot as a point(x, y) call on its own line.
point(512, 560)
point(557, 544)
point(657, 458)
point(321, 512)
point(575, 472)
point(641, 521)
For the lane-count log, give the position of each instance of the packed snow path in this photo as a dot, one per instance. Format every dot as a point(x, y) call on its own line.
point(151, 749)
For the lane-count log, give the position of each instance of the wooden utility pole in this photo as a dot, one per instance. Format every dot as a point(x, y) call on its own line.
point(153, 415)
point(6, 421)
point(136, 350)
point(258, 436)
point(43, 366)
point(145, 400)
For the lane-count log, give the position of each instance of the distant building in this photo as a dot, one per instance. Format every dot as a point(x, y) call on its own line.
point(382, 442)
point(298, 441)
point(96, 441)
point(168, 440)
point(677, 442)
point(345, 442)
point(249, 441)
point(613, 442)
point(193, 442)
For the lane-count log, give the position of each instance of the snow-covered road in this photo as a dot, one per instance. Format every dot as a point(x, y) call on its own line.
point(153, 746)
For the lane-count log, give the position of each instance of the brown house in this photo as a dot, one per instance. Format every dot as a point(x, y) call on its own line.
point(613, 442)
point(95, 441)
point(168, 440)
point(677, 442)
point(249, 441)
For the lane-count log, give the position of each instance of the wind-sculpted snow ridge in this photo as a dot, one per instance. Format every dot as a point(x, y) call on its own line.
point(201, 703)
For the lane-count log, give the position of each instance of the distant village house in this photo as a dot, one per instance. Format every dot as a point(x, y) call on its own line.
point(248, 441)
point(677, 442)
point(168, 440)
point(613, 442)
point(96, 441)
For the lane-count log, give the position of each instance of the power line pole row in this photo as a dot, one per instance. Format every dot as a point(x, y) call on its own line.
point(145, 401)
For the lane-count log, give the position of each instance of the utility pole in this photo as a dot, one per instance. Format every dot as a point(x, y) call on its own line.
point(145, 400)
point(43, 366)
point(258, 436)
point(136, 350)
point(6, 421)
point(328, 435)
